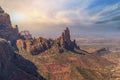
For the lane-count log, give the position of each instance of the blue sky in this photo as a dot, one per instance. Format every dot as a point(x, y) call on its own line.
point(47, 17)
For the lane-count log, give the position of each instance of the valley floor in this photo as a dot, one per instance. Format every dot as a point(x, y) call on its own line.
point(91, 45)
point(116, 72)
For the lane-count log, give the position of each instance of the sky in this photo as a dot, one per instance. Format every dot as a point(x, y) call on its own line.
point(49, 17)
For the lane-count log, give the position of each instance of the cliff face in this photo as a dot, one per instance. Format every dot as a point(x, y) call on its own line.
point(6, 30)
point(11, 67)
point(33, 45)
point(65, 41)
point(39, 45)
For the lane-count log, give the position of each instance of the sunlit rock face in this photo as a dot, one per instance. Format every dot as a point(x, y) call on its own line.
point(38, 45)
point(65, 42)
point(34, 45)
point(6, 30)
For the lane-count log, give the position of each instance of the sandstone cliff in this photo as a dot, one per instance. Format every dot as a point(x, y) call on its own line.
point(6, 30)
point(39, 45)
point(64, 41)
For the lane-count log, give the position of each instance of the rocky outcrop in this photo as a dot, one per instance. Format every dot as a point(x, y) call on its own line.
point(64, 41)
point(102, 51)
point(6, 30)
point(34, 45)
point(15, 67)
point(39, 45)
point(25, 35)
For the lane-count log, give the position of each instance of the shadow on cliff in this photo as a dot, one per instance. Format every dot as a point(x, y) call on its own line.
point(27, 66)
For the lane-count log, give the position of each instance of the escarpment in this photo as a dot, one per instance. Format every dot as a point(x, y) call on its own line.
point(39, 45)
point(7, 31)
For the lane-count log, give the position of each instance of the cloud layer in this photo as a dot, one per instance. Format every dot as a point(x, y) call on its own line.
point(41, 14)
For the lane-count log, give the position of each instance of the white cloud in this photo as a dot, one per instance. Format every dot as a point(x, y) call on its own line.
point(46, 10)
point(108, 12)
point(53, 11)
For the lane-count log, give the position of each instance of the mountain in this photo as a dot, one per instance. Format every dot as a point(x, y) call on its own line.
point(46, 59)
point(7, 31)
point(62, 59)
point(38, 45)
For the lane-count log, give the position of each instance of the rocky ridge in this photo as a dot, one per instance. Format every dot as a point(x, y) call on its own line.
point(64, 41)
point(39, 45)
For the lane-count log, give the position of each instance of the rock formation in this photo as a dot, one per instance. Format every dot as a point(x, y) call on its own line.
point(15, 67)
point(6, 30)
point(34, 45)
point(65, 42)
point(57, 71)
point(38, 45)
point(102, 51)
point(25, 35)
